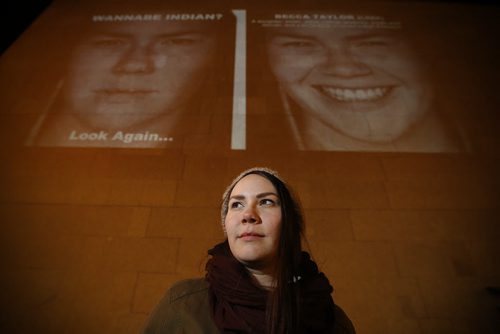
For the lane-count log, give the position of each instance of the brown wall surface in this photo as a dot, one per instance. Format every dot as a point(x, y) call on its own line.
point(92, 237)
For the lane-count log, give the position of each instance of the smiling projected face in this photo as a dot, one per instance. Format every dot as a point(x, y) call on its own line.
point(364, 83)
point(253, 222)
point(130, 73)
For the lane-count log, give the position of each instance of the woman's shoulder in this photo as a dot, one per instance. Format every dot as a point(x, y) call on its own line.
point(183, 309)
point(187, 288)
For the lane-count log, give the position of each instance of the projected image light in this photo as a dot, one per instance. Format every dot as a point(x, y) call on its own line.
point(138, 83)
point(353, 82)
point(370, 78)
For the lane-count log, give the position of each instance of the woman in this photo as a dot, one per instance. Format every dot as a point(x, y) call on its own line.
point(258, 280)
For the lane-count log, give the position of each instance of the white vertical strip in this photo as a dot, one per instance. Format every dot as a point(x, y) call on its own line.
point(238, 134)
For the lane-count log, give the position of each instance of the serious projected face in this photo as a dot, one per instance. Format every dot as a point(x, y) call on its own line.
point(128, 74)
point(363, 83)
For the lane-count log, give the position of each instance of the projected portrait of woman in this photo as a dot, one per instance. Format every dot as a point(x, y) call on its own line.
point(135, 84)
point(355, 87)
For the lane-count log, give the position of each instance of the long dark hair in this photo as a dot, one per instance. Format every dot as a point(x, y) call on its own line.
point(282, 312)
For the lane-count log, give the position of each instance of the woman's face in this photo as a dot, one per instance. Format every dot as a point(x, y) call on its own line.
point(129, 73)
point(253, 222)
point(364, 83)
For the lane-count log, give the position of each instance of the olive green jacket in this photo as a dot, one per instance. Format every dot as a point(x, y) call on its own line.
point(185, 309)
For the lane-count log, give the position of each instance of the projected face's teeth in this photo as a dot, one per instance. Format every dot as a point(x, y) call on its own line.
point(355, 94)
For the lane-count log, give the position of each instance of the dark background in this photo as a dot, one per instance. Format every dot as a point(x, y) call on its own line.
point(17, 17)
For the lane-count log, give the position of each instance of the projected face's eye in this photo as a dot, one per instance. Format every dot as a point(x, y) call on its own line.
point(375, 46)
point(182, 40)
point(293, 45)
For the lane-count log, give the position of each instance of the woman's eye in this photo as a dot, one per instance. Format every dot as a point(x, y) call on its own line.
point(267, 201)
point(235, 205)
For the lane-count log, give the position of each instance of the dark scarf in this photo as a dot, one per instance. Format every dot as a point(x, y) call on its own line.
point(239, 306)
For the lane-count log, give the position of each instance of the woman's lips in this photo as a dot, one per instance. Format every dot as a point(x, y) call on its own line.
point(343, 94)
point(248, 236)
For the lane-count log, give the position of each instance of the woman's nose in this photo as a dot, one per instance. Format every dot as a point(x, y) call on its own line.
point(251, 216)
point(341, 62)
point(136, 60)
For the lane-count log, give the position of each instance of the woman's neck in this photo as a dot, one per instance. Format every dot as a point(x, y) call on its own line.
point(263, 278)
